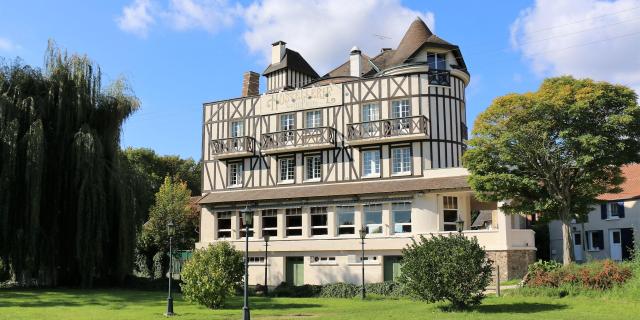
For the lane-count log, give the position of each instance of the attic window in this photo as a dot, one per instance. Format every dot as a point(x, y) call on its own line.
point(437, 61)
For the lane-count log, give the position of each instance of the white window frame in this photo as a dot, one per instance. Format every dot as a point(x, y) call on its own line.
point(400, 109)
point(319, 211)
point(320, 260)
point(345, 210)
point(269, 213)
point(450, 204)
point(372, 228)
point(224, 215)
point(398, 226)
point(236, 174)
point(371, 167)
point(287, 125)
point(589, 242)
point(315, 170)
point(437, 62)
point(402, 166)
point(256, 260)
point(611, 207)
point(237, 129)
point(313, 119)
point(293, 212)
point(288, 171)
point(368, 113)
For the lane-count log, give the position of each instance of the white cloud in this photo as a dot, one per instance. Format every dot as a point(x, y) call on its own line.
point(137, 17)
point(8, 45)
point(210, 15)
point(324, 31)
point(584, 38)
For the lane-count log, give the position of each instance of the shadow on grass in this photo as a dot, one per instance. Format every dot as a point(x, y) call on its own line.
point(39, 298)
point(519, 307)
point(268, 304)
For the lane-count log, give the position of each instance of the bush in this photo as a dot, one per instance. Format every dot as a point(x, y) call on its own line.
point(387, 289)
point(212, 274)
point(598, 275)
point(451, 268)
point(340, 290)
point(545, 266)
point(304, 291)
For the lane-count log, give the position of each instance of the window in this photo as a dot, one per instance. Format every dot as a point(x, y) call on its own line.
point(357, 259)
point(237, 129)
point(400, 109)
point(595, 240)
point(323, 260)
point(373, 218)
point(401, 213)
point(370, 113)
point(243, 227)
point(287, 169)
point(314, 119)
point(313, 167)
point(613, 210)
point(371, 163)
point(270, 222)
point(235, 174)
point(319, 221)
point(346, 224)
point(287, 124)
point(293, 221)
point(437, 61)
point(224, 224)
point(256, 260)
point(401, 160)
point(450, 213)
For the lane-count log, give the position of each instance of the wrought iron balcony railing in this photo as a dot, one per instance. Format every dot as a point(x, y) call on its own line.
point(439, 77)
point(308, 138)
point(396, 127)
point(232, 146)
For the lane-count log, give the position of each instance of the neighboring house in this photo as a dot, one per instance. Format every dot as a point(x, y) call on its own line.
point(376, 144)
point(611, 226)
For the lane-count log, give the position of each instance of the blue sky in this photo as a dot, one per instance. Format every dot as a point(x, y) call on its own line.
point(177, 54)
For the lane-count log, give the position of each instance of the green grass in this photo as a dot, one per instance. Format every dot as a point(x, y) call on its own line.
point(141, 305)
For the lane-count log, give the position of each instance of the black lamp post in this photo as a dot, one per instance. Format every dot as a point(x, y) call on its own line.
point(266, 260)
point(247, 216)
point(363, 234)
point(171, 229)
point(460, 224)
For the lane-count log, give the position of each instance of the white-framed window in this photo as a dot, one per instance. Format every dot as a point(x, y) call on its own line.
point(401, 215)
point(313, 167)
point(287, 125)
point(401, 160)
point(615, 210)
point(323, 260)
point(345, 219)
point(371, 163)
point(256, 260)
point(237, 129)
point(224, 224)
point(450, 213)
point(357, 259)
point(437, 61)
point(243, 227)
point(370, 114)
point(287, 169)
point(373, 218)
point(314, 119)
point(293, 221)
point(319, 224)
point(270, 222)
point(400, 109)
point(235, 174)
point(595, 240)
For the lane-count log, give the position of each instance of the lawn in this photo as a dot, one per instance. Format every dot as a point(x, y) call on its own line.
point(141, 305)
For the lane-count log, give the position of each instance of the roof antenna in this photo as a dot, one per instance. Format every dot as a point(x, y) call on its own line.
point(381, 37)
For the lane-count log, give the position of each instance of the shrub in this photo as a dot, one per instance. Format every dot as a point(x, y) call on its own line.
point(212, 274)
point(304, 291)
point(598, 275)
point(545, 266)
point(387, 289)
point(340, 290)
point(451, 268)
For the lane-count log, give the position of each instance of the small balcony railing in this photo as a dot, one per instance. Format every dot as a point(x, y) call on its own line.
point(439, 77)
point(416, 126)
point(232, 147)
point(298, 139)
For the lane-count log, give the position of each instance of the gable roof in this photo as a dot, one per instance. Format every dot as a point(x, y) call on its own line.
point(344, 70)
point(630, 187)
point(294, 61)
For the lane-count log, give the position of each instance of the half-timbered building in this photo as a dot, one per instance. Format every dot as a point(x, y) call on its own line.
point(376, 143)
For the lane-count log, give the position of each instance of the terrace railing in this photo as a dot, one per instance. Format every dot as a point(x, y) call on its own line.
point(307, 138)
point(386, 128)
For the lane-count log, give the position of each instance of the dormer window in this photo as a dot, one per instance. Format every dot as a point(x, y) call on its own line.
point(437, 61)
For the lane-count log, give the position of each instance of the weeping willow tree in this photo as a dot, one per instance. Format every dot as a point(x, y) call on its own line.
point(67, 201)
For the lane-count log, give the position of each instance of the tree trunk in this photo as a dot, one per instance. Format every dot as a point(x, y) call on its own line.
point(567, 247)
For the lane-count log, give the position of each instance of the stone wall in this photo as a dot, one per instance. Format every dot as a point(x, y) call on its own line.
point(513, 263)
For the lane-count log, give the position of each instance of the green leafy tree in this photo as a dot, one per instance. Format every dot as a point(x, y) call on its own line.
point(67, 204)
point(212, 275)
point(554, 150)
point(171, 204)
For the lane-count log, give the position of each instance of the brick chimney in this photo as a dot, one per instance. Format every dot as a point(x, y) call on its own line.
point(250, 84)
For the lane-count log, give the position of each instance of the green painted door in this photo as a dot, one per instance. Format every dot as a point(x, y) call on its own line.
point(295, 271)
point(391, 267)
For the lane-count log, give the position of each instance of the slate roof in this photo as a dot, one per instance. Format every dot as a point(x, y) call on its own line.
point(294, 61)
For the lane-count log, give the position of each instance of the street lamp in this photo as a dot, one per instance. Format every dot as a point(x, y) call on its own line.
point(460, 224)
point(171, 229)
point(247, 216)
point(363, 234)
point(266, 257)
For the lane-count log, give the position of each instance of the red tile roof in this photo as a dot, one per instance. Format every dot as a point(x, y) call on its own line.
point(630, 187)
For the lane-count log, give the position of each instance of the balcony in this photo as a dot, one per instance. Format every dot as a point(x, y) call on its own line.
point(388, 130)
point(439, 77)
point(298, 139)
point(232, 147)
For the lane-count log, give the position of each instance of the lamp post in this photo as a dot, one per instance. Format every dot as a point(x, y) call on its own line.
point(247, 216)
point(266, 259)
point(363, 234)
point(171, 229)
point(460, 224)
